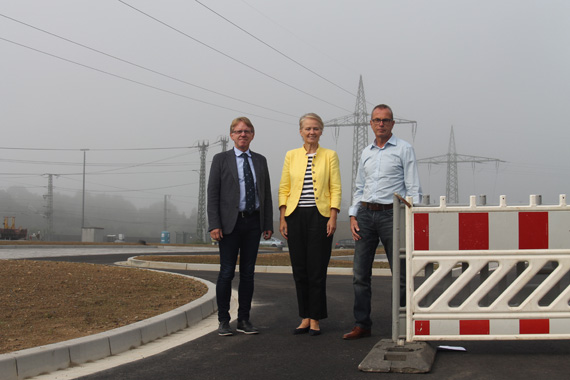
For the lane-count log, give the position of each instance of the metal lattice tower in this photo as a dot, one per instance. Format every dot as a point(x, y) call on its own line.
point(452, 159)
point(360, 121)
point(452, 185)
point(201, 225)
point(49, 209)
point(224, 140)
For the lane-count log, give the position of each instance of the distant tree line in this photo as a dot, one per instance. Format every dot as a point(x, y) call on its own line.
point(116, 214)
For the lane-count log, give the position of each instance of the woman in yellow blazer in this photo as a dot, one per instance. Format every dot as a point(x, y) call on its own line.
point(309, 201)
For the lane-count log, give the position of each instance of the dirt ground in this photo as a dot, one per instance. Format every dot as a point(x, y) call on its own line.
point(43, 302)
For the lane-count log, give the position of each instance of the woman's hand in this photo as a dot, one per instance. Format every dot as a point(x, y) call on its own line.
point(331, 227)
point(331, 224)
point(283, 227)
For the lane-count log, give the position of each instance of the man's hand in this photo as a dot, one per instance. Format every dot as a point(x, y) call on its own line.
point(354, 229)
point(267, 234)
point(216, 234)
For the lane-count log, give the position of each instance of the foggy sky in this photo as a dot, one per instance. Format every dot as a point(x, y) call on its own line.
point(498, 71)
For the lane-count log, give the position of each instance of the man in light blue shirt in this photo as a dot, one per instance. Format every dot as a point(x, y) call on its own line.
point(387, 166)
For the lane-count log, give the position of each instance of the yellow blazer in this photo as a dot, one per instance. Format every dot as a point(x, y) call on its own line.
point(326, 180)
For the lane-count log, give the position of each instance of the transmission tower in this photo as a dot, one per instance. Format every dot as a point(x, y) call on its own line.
point(224, 140)
point(201, 225)
point(360, 121)
point(49, 209)
point(452, 159)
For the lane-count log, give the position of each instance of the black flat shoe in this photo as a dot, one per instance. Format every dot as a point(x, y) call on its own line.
point(314, 332)
point(299, 331)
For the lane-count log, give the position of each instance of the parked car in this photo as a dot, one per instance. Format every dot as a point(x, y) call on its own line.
point(272, 242)
point(344, 243)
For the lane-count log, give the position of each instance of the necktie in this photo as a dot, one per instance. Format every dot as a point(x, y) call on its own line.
point(249, 185)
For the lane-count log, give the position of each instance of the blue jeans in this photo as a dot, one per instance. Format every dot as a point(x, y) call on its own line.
point(374, 226)
point(244, 240)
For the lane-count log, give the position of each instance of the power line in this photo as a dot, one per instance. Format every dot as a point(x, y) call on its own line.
point(137, 82)
point(316, 48)
point(144, 68)
point(275, 49)
point(100, 150)
point(230, 57)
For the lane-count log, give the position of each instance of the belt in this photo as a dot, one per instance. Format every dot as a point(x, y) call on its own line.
point(376, 206)
point(245, 214)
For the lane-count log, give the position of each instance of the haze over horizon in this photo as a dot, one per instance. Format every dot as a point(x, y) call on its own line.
point(138, 84)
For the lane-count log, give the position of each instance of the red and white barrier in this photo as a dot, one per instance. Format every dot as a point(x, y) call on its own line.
point(488, 272)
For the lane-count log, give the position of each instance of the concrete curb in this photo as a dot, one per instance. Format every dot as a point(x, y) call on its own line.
point(38, 360)
point(131, 261)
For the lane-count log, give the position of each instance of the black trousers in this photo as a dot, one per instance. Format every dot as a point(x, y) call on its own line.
point(310, 252)
point(244, 240)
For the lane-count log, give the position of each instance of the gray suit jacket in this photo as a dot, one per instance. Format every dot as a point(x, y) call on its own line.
point(223, 192)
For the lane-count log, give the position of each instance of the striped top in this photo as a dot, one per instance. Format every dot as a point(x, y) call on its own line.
point(308, 194)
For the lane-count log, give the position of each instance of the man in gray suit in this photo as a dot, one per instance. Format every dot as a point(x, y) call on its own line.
point(239, 210)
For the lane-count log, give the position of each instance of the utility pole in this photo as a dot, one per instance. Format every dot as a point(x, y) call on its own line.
point(359, 120)
point(201, 225)
point(83, 198)
point(165, 223)
point(452, 159)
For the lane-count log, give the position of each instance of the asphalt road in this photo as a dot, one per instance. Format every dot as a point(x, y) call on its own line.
point(276, 354)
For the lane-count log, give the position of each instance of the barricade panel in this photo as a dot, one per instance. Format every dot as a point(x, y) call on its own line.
point(488, 272)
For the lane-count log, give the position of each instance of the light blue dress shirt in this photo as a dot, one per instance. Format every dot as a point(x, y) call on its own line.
point(239, 161)
point(385, 171)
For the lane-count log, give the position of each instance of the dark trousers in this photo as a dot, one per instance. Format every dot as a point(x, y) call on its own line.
point(374, 226)
point(244, 240)
point(310, 252)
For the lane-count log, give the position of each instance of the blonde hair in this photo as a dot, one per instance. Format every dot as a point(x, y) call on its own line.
point(313, 116)
point(243, 119)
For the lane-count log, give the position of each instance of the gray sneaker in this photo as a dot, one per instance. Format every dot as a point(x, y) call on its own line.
point(246, 327)
point(224, 329)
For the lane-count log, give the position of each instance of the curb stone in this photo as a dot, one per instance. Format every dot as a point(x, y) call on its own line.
point(38, 360)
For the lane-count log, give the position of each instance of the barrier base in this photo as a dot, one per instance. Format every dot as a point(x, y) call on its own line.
point(388, 356)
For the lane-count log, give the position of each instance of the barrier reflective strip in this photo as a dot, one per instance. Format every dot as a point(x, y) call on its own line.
point(473, 230)
point(492, 326)
point(474, 327)
point(422, 328)
point(484, 230)
point(533, 230)
point(558, 230)
point(534, 326)
point(421, 232)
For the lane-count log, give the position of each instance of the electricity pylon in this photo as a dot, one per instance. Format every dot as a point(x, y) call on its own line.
point(224, 141)
point(452, 159)
point(49, 208)
point(361, 122)
point(201, 225)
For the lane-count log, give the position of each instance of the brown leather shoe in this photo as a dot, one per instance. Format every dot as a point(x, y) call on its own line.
point(357, 333)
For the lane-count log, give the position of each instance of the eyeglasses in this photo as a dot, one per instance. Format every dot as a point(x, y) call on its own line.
point(246, 131)
point(378, 121)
